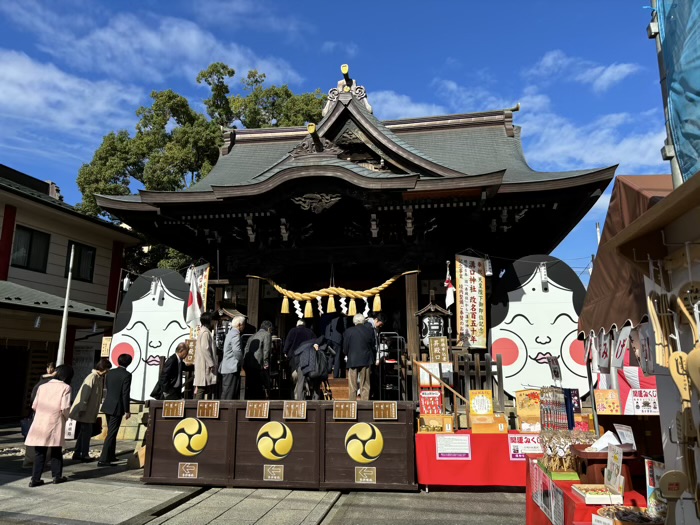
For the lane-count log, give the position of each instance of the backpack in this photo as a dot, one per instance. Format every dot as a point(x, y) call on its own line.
point(320, 368)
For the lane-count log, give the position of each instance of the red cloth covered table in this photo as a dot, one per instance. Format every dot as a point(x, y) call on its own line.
point(489, 466)
point(575, 508)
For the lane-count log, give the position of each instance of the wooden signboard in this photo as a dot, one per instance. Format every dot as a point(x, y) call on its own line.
point(173, 409)
point(106, 346)
point(208, 409)
point(384, 410)
point(344, 409)
point(294, 410)
point(439, 350)
point(191, 345)
point(257, 409)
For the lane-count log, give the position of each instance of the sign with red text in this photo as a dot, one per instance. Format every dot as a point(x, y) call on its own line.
point(520, 444)
point(471, 301)
point(645, 402)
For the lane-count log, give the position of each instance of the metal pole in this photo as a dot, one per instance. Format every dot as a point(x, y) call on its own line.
point(64, 323)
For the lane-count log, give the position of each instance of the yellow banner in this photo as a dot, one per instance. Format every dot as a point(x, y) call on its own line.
point(471, 301)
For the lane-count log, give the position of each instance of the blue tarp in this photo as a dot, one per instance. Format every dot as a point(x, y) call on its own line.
point(679, 25)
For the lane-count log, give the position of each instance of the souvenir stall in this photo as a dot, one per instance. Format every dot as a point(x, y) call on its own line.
point(663, 244)
point(620, 475)
point(483, 406)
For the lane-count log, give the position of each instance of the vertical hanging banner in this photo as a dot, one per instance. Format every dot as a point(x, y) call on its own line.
point(471, 301)
point(617, 357)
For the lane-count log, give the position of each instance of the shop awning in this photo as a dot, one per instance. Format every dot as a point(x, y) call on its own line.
point(616, 289)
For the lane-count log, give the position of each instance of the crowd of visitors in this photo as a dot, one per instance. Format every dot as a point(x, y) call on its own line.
point(310, 359)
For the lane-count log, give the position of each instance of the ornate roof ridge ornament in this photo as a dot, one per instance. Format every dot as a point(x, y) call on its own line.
point(314, 144)
point(346, 85)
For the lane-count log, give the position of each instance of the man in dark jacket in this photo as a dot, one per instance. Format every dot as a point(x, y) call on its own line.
point(359, 345)
point(297, 335)
point(171, 376)
point(256, 362)
point(304, 366)
point(115, 406)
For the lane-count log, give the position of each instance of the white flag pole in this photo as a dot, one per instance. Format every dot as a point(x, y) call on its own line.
point(64, 323)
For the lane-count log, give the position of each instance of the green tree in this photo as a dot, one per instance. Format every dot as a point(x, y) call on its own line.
point(274, 106)
point(175, 146)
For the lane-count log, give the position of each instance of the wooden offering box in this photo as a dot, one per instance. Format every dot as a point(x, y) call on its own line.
point(282, 444)
point(375, 451)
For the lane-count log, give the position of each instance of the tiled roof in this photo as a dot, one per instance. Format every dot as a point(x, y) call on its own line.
point(16, 296)
point(22, 190)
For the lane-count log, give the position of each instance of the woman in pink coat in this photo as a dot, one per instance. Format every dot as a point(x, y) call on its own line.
point(46, 434)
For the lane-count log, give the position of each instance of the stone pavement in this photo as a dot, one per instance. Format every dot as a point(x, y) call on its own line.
point(115, 495)
point(443, 508)
point(250, 506)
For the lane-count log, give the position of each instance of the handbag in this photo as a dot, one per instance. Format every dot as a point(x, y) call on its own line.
point(25, 424)
point(70, 429)
point(96, 427)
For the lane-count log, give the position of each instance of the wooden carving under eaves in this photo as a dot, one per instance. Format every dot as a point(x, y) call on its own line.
point(316, 146)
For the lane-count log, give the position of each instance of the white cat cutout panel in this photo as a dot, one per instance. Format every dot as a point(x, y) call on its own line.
point(532, 320)
point(149, 325)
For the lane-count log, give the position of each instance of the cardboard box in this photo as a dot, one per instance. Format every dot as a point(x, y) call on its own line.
point(436, 424)
point(493, 424)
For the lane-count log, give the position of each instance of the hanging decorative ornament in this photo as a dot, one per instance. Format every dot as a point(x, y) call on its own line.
point(343, 306)
point(377, 304)
point(366, 310)
point(352, 309)
point(297, 309)
point(320, 305)
point(331, 305)
point(285, 305)
point(308, 310)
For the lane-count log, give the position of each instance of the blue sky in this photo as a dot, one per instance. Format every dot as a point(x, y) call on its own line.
point(584, 72)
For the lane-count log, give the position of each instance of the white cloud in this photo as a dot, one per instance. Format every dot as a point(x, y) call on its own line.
point(462, 99)
point(554, 142)
point(557, 64)
point(260, 14)
point(148, 47)
point(389, 105)
point(349, 49)
point(48, 110)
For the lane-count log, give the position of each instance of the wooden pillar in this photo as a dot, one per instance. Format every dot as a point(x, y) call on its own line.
point(8, 231)
point(253, 301)
point(115, 274)
point(412, 335)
